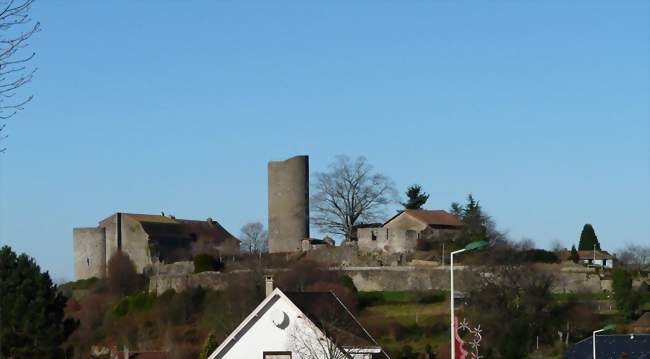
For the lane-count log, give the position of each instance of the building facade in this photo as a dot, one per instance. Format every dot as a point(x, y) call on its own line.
point(147, 239)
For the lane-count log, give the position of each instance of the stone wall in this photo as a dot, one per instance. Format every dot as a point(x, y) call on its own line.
point(389, 240)
point(288, 204)
point(89, 252)
point(391, 278)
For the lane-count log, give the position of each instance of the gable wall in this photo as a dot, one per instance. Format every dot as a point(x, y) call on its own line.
point(405, 221)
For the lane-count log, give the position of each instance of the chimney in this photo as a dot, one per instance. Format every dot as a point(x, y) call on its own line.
point(269, 284)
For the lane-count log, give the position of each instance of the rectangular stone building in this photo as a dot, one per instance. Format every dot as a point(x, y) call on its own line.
point(147, 239)
point(401, 232)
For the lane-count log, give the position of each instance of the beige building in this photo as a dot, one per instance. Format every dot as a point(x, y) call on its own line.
point(147, 239)
point(401, 233)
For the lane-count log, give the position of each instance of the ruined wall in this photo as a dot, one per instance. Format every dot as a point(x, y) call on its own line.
point(89, 252)
point(387, 240)
point(288, 204)
point(135, 243)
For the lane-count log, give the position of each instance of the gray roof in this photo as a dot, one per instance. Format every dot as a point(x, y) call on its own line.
point(636, 346)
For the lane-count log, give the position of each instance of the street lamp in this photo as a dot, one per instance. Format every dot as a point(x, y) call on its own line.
point(593, 335)
point(469, 247)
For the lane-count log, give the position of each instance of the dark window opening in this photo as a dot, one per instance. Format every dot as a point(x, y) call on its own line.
point(88, 262)
point(374, 236)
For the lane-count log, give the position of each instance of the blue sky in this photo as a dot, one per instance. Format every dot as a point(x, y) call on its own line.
point(540, 110)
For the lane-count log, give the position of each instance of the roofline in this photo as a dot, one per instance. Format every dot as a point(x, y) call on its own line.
point(361, 326)
point(277, 292)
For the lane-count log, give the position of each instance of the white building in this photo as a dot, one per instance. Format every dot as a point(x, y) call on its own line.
point(596, 258)
point(299, 325)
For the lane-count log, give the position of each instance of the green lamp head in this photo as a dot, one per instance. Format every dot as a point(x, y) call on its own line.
point(476, 245)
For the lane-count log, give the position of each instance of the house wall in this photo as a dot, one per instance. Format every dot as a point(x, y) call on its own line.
point(89, 252)
point(110, 226)
point(288, 202)
point(391, 240)
point(609, 263)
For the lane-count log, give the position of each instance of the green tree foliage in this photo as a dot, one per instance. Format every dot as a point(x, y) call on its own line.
point(209, 345)
point(514, 306)
point(32, 323)
point(478, 224)
point(626, 299)
point(574, 254)
point(416, 197)
point(588, 239)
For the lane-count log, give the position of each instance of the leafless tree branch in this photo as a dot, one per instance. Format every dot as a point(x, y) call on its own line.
point(16, 28)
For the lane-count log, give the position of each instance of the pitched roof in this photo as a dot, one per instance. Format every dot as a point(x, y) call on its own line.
point(317, 307)
point(161, 227)
point(613, 346)
point(587, 254)
point(327, 312)
point(430, 217)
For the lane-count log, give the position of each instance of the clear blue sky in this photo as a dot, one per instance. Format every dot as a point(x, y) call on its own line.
point(540, 110)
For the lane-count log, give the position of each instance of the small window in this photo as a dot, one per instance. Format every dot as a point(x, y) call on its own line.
point(277, 355)
point(88, 262)
point(374, 235)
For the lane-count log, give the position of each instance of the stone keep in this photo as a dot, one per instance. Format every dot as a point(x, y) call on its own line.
point(288, 204)
point(89, 252)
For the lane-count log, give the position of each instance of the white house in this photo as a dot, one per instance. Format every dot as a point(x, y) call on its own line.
point(596, 258)
point(310, 325)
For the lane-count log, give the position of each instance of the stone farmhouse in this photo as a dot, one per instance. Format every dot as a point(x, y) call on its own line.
point(596, 258)
point(299, 325)
point(401, 233)
point(148, 240)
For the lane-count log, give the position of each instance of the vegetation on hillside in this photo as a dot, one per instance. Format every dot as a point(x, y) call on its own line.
point(32, 323)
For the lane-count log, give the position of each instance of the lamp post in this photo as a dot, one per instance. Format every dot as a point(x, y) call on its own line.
point(469, 247)
point(593, 335)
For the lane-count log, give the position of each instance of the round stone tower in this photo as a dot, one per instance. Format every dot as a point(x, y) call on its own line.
point(288, 204)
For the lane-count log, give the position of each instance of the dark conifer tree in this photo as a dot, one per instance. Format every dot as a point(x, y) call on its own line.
point(416, 197)
point(32, 323)
point(574, 254)
point(588, 239)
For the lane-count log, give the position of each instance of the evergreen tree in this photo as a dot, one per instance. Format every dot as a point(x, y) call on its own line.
point(209, 346)
point(416, 197)
point(32, 323)
point(588, 239)
point(574, 254)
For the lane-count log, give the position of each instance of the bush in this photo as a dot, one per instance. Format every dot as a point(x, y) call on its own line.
point(206, 263)
point(431, 297)
point(540, 256)
point(122, 308)
point(348, 283)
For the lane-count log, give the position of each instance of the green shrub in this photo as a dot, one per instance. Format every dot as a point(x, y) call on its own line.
point(141, 301)
point(122, 308)
point(348, 283)
point(206, 263)
point(431, 297)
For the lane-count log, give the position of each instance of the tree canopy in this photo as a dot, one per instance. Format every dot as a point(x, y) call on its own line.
point(32, 324)
point(416, 197)
point(588, 239)
point(349, 193)
point(574, 254)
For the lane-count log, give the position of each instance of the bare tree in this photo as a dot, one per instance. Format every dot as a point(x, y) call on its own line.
point(332, 334)
point(349, 193)
point(16, 28)
point(635, 256)
point(557, 247)
point(254, 238)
